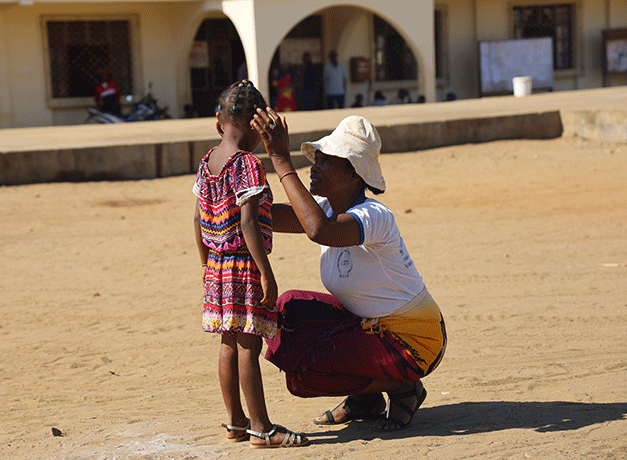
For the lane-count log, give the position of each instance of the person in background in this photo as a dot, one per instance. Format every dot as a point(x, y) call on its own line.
point(285, 98)
point(335, 77)
point(107, 93)
point(359, 100)
point(379, 99)
point(310, 83)
point(421, 99)
point(402, 97)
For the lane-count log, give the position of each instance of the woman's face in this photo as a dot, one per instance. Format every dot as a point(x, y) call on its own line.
point(330, 176)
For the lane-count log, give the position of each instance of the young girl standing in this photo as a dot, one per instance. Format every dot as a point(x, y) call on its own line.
point(233, 227)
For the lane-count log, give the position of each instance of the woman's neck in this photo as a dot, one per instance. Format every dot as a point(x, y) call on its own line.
point(342, 203)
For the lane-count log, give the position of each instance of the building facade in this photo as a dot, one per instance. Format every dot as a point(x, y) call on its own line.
point(51, 51)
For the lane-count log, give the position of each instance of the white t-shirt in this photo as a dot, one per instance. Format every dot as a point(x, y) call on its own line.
point(377, 277)
point(336, 77)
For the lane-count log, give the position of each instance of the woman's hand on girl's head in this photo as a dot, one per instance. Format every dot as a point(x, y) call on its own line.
point(273, 132)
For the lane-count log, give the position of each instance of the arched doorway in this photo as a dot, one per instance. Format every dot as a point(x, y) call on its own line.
point(376, 55)
point(217, 54)
point(300, 55)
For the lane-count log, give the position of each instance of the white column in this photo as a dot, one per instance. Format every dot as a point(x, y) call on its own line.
point(6, 107)
point(242, 14)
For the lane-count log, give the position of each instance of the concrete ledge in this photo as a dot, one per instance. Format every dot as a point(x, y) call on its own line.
point(96, 163)
point(146, 150)
point(146, 161)
point(601, 125)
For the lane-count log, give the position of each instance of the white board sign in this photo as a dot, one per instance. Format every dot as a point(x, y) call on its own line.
point(501, 61)
point(616, 56)
point(292, 49)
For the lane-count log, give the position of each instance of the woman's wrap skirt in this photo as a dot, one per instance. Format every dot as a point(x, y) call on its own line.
point(325, 350)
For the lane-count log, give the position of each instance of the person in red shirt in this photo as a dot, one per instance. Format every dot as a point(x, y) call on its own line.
point(107, 93)
point(286, 102)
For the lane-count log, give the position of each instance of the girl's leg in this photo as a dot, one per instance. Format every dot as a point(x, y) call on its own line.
point(229, 383)
point(249, 349)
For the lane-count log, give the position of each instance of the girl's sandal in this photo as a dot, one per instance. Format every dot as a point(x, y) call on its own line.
point(235, 429)
point(290, 439)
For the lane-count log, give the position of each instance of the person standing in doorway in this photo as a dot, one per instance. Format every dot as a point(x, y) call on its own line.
point(310, 83)
point(335, 76)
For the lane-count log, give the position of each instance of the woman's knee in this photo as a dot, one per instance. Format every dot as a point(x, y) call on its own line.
point(296, 387)
point(286, 297)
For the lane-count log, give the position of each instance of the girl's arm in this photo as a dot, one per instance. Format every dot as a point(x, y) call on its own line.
point(203, 250)
point(254, 243)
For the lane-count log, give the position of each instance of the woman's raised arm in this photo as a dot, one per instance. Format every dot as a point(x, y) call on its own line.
point(337, 231)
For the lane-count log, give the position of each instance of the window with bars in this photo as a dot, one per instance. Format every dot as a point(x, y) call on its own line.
point(555, 21)
point(393, 60)
point(78, 49)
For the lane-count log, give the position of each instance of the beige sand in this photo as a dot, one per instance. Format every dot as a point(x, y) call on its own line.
point(522, 243)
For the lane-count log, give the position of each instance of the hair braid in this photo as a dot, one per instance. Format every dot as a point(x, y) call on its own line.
point(240, 101)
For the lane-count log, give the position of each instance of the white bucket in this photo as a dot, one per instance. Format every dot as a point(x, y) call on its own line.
point(522, 86)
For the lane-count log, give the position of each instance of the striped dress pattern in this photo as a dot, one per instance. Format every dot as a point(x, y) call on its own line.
point(232, 285)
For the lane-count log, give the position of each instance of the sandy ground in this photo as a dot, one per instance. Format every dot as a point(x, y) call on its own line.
point(522, 243)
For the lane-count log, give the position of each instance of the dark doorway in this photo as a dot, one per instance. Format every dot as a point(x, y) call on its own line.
point(305, 37)
point(223, 53)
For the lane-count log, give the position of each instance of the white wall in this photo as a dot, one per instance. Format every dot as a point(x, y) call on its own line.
point(493, 22)
point(23, 36)
point(461, 49)
point(165, 32)
point(358, 39)
point(6, 108)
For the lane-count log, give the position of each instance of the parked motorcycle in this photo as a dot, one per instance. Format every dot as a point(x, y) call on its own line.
point(145, 109)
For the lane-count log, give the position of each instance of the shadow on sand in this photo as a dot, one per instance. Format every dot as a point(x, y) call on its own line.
point(482, 417)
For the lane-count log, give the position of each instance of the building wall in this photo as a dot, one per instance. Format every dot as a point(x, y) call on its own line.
point(22, 31)
point(358, 39)
point(166, 30)
point(165, 34)
point(460, 49)
point(493, 21)
point(6, 110)
point(400, 14)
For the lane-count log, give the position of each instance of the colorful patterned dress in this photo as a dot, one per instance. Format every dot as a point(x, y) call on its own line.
point(233, 282)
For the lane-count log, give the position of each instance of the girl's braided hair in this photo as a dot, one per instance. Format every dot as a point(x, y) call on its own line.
point(240, 101)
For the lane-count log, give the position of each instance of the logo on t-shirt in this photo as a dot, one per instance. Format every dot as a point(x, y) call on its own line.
point(407, 262)
point(344, 263)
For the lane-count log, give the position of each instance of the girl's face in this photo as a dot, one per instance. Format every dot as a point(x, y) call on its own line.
point(329, 176)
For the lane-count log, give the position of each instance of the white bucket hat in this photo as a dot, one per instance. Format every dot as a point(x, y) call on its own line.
point(357, 140)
